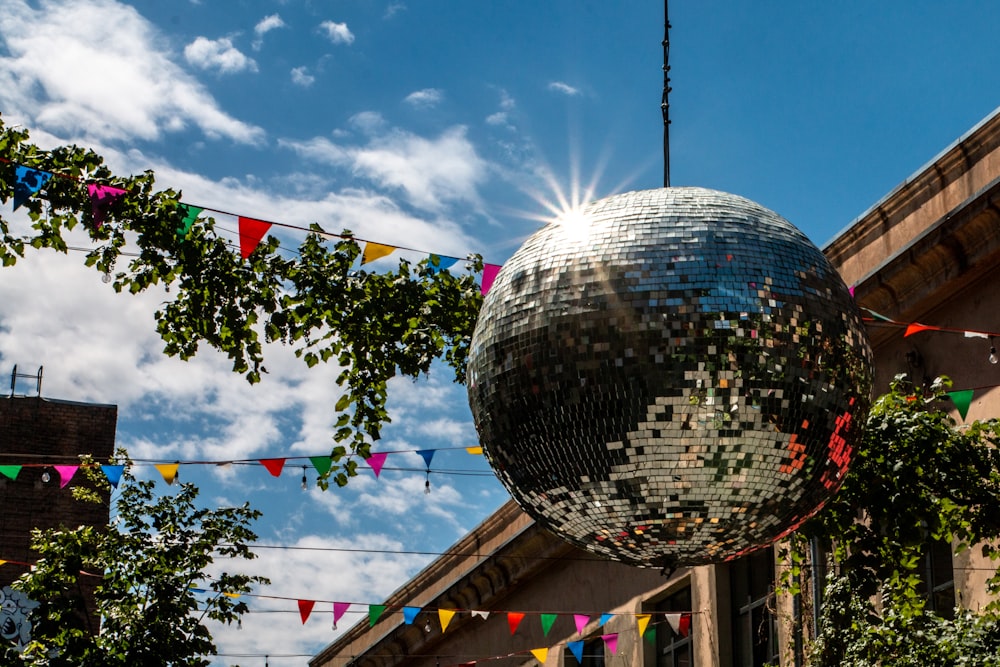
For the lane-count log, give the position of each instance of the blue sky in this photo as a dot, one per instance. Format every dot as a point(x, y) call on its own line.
point(451, 127)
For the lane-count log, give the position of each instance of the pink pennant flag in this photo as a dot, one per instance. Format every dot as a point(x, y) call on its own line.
point(65, 474)
point(490, 272)
point(376, 461)
point(917, 328)
point(514, 619)
point(581, 622)
point(339, 609)
point(611, 641)
point(273, 466)
point(251, 232)
point(305, 608)
point(850, 290)
point(101, 199)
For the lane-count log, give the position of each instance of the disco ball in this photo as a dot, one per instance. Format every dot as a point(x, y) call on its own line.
point(677, 377)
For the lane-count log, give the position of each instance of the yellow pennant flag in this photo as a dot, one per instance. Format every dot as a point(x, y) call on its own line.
point(169, 471)
point(474, 450)
point(643, 622)
point(445, 616)
point(2, 562)
point(374, 251)
point(540, 654)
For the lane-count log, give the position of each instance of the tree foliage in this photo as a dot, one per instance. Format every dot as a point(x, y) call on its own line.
point(374, 325)
point(149, 566)
point(917, 478)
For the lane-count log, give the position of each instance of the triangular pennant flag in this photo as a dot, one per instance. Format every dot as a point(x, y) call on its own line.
point(439, 263)
point(850, 290)
point(685, 625)
point(305, 608)
point(475, 451)
point(114, 474)
point(490, 272)
point(917, 328)
point(3, 562)
point(321, 463)
point(28, 182)
point(651, 636)
point(427, 455)
point(581, 621)
point(541, 654)
point(168, 470)
point(611, 641)
point(975, 334)
point(101, 199)
point(576, 648)
point(643, 620)
point(376, 461)
point(191, 214)
point(10, 471)
point(65, 474)
point(962, 400)
point(514, 619)
point(374, 251)
point(273, 466)
point(675, 622)
point(605, 618)
point(445, 616)
point(251, 232)
point(410, 614)
point(374, 611)
point(339, 608)
point(481, 614)
point(547, 621)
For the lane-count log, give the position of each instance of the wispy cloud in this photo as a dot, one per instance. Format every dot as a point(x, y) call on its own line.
point(424, 99)
point(49, 89)
point(338, 33)
point(564, 88)
point(302, 77)
point(393, 9)
point(501, 118)
point(264, 26)
point(218, 54)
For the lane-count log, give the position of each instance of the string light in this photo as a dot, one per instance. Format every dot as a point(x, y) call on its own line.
point(46, 477)
point(427, 626)
point(993, 352)
point(305, 483)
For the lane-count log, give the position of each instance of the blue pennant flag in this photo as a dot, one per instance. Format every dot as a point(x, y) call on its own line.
point(576, 648)
point(28, 182)
point(439, 263)
point(427, 455)
point(410, 614)
point(114, 474)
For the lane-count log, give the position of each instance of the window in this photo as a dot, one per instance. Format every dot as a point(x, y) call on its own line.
point(939, 579)
point(755, 636)
point(593, 654)
point(674, 649)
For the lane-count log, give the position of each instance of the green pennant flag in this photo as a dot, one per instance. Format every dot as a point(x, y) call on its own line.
point(10, 471)
point(191, 214)
point(962, 400)
point(547, 621)
point(374, 611)
point(651, 636)
point(321, 463)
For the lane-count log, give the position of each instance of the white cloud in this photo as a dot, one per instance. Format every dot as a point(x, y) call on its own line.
point(264, 26)
point(218, 54)
point(338, 33)
point(393, 9)
point(368, 122)
point(432, 173)
point(111, 78)
point(302, 77)
point(424, 99)
point(564, 88)
point(501, 118)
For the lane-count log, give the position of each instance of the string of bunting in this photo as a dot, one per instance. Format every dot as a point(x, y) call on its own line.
point(962, 398)
point(29, 181)
point(274, 466)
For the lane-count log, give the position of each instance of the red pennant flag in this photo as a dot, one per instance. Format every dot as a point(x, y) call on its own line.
point(273, 466)
point(490, 272)
point(685, 625)
point(305, 608)
point(251, 232)
point(376, 461)
point(101, 199)
point(917, 328)
point(514, 619)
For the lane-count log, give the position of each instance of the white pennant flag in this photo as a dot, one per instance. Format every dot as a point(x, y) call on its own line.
point(675, 622)
point(481, 614)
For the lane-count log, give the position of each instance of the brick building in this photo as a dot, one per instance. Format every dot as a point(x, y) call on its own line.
point(929, 252)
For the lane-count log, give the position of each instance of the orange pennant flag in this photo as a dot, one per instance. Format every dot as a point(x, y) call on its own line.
point(541, 654)
point(168, 470)
point(251, 232)
point(445, 616)
point(374, 251)
point(514, 619)
point(917, 328)
point(643, 620)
